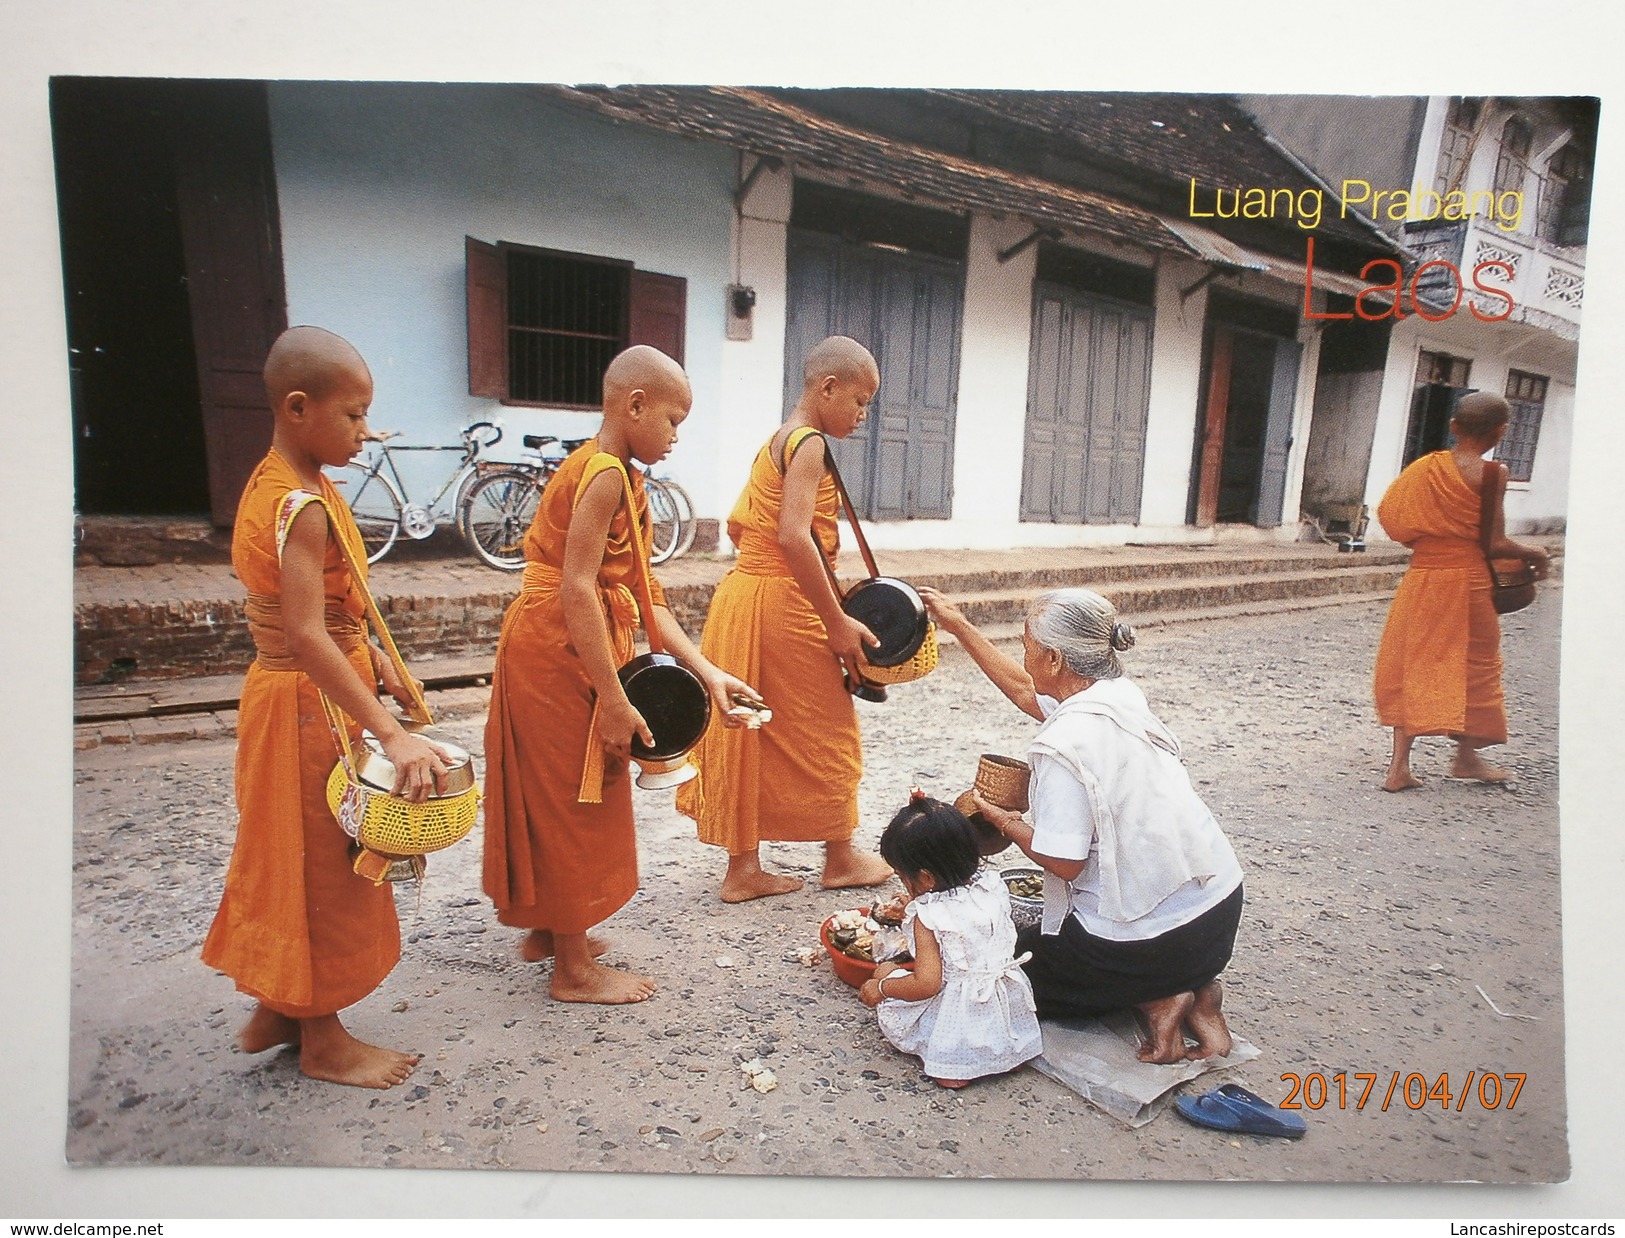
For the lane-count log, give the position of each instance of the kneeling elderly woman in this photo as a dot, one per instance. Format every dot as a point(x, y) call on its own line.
point(1142, 892)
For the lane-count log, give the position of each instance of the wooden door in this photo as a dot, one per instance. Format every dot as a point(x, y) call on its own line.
point(905, 308)
point(1088, 397)
point(1278, 434)
point(226, 200)
point(1215, 408)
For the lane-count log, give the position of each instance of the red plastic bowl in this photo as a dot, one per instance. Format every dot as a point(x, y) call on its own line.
point(853, 971)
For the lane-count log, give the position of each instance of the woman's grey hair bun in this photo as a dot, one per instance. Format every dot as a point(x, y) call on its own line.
point(1083, 628)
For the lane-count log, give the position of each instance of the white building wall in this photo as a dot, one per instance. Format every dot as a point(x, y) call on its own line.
point(750, 402)
point(378, 184)
point(1176, 381)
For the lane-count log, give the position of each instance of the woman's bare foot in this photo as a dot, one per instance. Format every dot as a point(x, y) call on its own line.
point(1206, 1023)
point(1164, 1021)
point(846, 867)
point(537, 946)
point(1468, 764)
point(747, 879)
point(1401, 780)
point(950, 1083)
point(328, 1052)
point(266, 1029)
point(606, 986)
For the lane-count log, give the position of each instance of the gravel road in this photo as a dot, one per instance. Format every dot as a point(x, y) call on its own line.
point(1371, 922)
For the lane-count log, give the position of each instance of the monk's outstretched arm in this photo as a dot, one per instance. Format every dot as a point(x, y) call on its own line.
point(721, 686)
point(1005, 673)
point(419, 767)
point(847, 636)
point(584, 615)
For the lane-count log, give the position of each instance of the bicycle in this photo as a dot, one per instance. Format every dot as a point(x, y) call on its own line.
point(499, 507)
point(377, 496)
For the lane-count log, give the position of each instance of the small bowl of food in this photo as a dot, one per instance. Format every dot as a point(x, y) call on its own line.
point(1026, 886)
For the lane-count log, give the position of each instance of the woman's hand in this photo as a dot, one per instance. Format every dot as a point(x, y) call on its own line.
point(1002, 819)
point(420, 765)
point(943, 613)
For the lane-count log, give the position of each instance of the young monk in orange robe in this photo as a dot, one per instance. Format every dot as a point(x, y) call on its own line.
point(297, 929)
point(560, 852)
point(1439, 665)
point(776, 619)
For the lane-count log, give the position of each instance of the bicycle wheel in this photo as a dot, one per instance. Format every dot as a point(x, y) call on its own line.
point(685, 517)
point(376, 505)
point(665, 523)
point(496, 514)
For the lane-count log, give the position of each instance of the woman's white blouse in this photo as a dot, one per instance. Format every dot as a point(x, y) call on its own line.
point(1064, 827)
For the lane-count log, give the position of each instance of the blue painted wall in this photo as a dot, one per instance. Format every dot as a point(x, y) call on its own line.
point(379, 183)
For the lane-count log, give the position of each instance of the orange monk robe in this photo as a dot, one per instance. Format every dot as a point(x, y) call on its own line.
point(296, 928)
point(796, 779)
point(552, 862)
point(1439, 665)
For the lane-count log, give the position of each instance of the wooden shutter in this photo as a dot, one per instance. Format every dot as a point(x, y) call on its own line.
point(1278, 434)
point(657, 311)
point(487, 319)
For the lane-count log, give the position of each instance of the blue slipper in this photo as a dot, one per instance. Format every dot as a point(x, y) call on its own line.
point(1233, 1108)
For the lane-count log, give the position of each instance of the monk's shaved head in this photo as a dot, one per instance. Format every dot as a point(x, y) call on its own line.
point(645, 368)
point(311, 360)
point(1480, 414)
point(842, 356)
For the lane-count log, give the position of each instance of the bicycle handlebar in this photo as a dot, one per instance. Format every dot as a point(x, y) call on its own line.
point(470, 432)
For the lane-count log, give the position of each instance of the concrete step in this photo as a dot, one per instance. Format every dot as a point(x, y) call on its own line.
point(1137, 599)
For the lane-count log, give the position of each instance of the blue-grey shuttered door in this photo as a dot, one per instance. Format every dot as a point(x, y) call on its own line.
point(1278, 433)
point(1088, 396)
point(905, 308)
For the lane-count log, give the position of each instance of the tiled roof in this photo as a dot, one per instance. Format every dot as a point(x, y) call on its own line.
point(763, 124)
point(1162, 139)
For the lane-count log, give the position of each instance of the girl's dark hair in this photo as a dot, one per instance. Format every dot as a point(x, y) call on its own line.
point(929, 836)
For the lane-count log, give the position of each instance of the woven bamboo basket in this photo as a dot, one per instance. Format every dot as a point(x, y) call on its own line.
point(1003, 781)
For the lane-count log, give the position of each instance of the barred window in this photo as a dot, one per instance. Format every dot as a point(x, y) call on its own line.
point(543, 325)
point(1527, 395)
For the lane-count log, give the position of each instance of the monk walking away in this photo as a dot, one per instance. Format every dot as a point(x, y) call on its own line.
point(1439, 665)
point(560, 850)
point(776, 620)
point(297, 929)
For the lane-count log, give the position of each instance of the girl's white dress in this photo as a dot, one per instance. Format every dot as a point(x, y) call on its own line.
point(982, 1022)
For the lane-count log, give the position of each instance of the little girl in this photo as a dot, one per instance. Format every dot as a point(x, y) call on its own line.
point(966, 1009)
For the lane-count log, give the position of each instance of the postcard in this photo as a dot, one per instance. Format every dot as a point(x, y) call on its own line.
point(1199, 361)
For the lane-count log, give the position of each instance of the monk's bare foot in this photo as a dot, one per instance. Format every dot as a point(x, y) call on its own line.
point(1206, 1023)
point(328, 1052)
point(950, 1083)
point(1164, 1021)
point(606, 986)
point(1401, 780)
point(537, 946)
point(845, 867)
point(1468, 764)
point(266, 1029)
point(747, 879)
